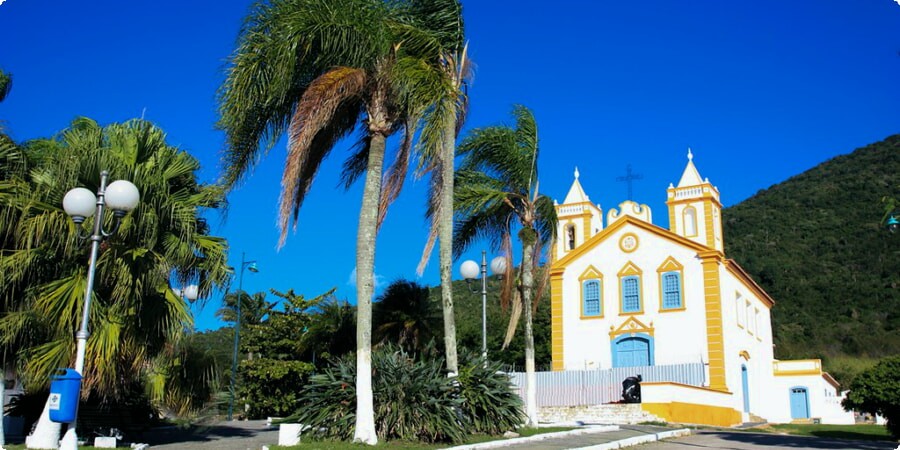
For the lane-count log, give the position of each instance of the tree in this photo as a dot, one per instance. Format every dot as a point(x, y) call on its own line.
point(5, 148)
point(439, 142)
point(404, 315)
point(330, 332)
point(877, 391)
point(497, 189)
point(254, 308)
point(317, 69)
point(135, 317)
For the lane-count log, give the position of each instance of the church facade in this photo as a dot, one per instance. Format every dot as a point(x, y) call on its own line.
point(628, 293)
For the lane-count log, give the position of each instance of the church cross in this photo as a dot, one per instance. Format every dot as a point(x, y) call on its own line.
point(629, 179)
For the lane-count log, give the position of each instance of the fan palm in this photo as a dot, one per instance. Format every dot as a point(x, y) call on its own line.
point(136, 316)
point(496, 190)
point(317, 69)
point(6, 149)
point(254, 308)
point(404, 315)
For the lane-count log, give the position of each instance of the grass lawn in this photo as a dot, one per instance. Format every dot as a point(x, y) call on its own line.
point(339, 445)
point(862, 432)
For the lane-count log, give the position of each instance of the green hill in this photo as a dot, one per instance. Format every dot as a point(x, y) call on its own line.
point(815, 243)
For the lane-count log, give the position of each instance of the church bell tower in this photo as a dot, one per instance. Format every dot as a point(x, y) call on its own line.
point(579, 219)
point(695, 211)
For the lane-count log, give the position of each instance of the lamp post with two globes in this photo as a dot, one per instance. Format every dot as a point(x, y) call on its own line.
point(469, 270)
point(251, 266)
point(121, 197)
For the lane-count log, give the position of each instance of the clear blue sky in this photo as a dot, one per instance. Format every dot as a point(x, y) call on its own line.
point(760, 90)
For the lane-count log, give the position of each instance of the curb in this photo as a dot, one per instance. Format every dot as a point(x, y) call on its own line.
point(637, 440)
point(537, 438)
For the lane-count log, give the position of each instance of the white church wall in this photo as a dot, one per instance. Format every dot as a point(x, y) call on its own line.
point(587, 341)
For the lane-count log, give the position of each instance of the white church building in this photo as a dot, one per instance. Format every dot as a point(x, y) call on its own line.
point(626, 292)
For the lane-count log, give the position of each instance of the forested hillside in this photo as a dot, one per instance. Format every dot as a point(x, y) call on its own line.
point(815, 243)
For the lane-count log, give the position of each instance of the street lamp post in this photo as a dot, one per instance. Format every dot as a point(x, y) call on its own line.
point(892, 224)
point(469, 270)
point(121, 196)
point(251, 266)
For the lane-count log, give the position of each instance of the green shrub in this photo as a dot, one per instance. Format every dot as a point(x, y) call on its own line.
point(489, 402)
point(269, 386)
point(877, 391)
point(414, 400)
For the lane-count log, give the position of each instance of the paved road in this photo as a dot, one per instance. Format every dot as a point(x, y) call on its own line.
point(727, 440)
point(237, 435)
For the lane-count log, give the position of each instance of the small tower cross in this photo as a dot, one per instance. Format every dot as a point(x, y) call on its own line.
point(629, 179)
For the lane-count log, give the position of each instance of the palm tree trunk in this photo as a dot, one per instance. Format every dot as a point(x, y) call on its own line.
point(446, 238)
point(2, 406)
point(530, 376)
point(365, 269)
point(46, 433)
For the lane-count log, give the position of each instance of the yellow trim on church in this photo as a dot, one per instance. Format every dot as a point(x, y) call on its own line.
point(631, 325)
point(715, 339)
point(618, 225)
point(680, 412)
point(556, 319)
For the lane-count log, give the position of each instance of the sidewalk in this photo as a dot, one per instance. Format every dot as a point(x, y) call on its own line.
point(596, 437)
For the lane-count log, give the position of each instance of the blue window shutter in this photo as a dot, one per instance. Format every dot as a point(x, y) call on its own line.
point(631, 294)
point(671, 290)
point(591, 296)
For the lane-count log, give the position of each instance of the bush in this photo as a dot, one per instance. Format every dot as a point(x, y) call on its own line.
point(489, 403)
point(414, 400)
point(877, 391)
point(269, 386)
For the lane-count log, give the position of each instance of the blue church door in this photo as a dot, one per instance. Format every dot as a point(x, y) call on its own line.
point(746, 388)
point(799, 403)
point(632, 352)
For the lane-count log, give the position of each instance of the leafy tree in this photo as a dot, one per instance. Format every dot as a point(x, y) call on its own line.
point(136, 319)
point(5, 84)
point(317, 69)
point(877, 391)
point(405, 315)
point(270, 380)
point(497, 188)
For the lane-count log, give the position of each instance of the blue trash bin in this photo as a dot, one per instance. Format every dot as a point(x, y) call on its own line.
point(65, 388)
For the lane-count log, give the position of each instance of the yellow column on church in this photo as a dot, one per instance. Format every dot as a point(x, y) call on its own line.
point(556, 318)
point(715, 340)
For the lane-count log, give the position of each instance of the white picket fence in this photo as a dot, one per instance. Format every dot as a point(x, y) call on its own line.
point(596, 387)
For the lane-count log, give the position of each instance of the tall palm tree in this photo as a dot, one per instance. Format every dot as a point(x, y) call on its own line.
point(330, 331)
point(136, 316)
point(5, 152)
point(438, 141)
point(497, 190)
point(404, 315)
point(317, 69)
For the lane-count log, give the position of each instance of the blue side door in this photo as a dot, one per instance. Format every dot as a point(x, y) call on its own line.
point(632, 352)
point(799, 403)
point(746, 388)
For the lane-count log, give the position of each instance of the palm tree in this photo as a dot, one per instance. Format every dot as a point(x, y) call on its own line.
point(317, 69)
point(5, 150)
point(405, 315)
point(438, 140)
point(497, 189)
point(254, 308)
point(136, 316)
point(330, 331)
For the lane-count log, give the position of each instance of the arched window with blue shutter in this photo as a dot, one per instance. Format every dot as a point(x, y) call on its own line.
point(591, 306)
point(671, 289)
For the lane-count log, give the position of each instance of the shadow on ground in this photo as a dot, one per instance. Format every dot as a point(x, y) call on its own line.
point(789, 441)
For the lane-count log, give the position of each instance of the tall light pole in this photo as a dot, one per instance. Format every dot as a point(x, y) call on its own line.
point(469, 271)
point(251, 266)
point(121, 196)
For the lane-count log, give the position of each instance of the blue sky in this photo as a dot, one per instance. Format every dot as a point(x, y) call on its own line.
point(761, 91)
